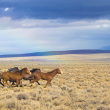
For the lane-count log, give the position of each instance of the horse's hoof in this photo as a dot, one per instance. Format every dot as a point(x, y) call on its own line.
point(44, 86)
point(14, 86)
point(20, 86)
point(5, 87)
point(30, 85)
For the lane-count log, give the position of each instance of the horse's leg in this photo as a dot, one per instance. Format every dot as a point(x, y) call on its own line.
point(8, 84)
point(30, 83)
point(20, 83)
point(46, 84)
point(4, 83)
point(50, 83)
point(35, 80)
point(13, 83)
point(16, 83)
point(1, 83)
point(38, 82)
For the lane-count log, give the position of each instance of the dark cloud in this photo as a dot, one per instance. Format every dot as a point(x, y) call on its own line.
point(53, 9)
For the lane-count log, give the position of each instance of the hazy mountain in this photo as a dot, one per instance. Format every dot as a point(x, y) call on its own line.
point(105, 48)
point(56, 53)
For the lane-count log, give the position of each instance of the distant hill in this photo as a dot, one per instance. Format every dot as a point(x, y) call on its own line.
point(105, 48)
point(56, 53)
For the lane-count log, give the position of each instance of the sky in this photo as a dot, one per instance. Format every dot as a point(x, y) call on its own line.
point(28, 26)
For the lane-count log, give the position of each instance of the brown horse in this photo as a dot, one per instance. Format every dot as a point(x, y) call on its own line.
point(14, 76)
point(46, 76)
point(15, 69)
point(32, 76)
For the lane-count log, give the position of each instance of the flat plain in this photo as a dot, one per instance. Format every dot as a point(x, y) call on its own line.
point(84, 84)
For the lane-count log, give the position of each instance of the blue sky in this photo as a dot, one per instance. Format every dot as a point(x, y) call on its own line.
point(51, 25)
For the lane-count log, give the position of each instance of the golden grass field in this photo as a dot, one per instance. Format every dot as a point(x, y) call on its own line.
point(85, 84)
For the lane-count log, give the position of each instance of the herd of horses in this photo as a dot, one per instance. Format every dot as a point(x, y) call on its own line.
point(15, 76)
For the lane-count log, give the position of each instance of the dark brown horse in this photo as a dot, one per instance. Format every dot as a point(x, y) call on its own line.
point(33, 75)
point(14, 76)
point(46, 76)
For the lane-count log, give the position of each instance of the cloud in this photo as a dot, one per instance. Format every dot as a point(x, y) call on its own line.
point(56, 9)
point(84, 35)
point(6, 9)
point(8, 23)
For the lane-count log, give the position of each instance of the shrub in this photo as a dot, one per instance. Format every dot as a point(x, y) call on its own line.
point(1, 104)
point(22, 96)
point(101, 108)
point(8, 96)
point(10, 105)
point(16, 89)
point(33, 94)
point(56, 102)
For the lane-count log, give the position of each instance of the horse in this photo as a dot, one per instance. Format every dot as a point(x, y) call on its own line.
point(15, 69)
point(34, 72)
point(10, 70)
point(25, 76)
point(32, 76)
point(47, 76)
point(14, 76)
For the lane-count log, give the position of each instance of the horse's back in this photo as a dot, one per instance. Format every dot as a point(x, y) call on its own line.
point(45, 76)
point(11, 75)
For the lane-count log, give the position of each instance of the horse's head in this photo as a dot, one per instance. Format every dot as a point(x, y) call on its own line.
point(58, 71)
point(25, 70)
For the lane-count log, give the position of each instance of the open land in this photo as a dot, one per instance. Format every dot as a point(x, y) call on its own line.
point(85, 84)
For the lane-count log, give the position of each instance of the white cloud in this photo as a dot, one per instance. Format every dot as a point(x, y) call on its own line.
point(6, 9)
point(7, 23)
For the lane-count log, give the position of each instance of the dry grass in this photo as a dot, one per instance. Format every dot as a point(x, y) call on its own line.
point(85, 84)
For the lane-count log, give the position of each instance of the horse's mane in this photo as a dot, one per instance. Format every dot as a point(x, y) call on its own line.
point(15, 69)
point(33, 70)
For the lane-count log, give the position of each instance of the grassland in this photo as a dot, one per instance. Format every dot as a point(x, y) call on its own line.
point(85, 84)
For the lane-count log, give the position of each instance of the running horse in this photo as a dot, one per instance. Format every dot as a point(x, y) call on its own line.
point(14, 76)
point(33, 75)
point(47, 76)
